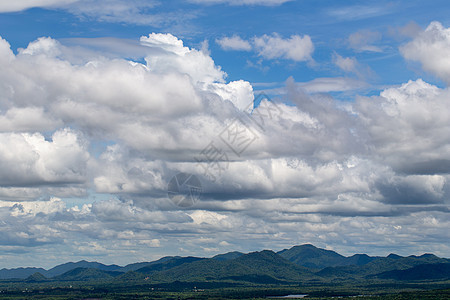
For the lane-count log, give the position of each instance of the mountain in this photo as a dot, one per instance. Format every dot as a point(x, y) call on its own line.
point(60, 269)
point(265, 266)
point(167, 264)
point(381, 264)
point(359, 259)
point(36, 277)
point(20, 273)
point(136, 266)
point(130, 276)
point(421, 272)
point(299, 264)
point(228, 256)
point(311, 257)
point(394, 256)
point(86, 274)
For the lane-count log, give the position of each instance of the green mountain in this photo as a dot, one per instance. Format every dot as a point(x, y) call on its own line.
point(311, 257)
point(130, 276)
point(86, 274)
point(61, 269)
point(299, 264)
point(421, 272)
point(36, 277)
point(359, 259)
point(136, 266)
point(265, 266)
point(20, 273)
point(228, 256)
point(167, 264)
point(380, 265)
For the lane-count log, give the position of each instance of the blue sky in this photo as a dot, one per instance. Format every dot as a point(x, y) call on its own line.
point(103, 102)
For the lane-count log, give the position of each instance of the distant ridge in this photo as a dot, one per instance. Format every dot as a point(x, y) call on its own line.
point(60, 269)
point(421, 272)
point(301, 263)
point(228, 256)
point(86, 274)
point(312, 257)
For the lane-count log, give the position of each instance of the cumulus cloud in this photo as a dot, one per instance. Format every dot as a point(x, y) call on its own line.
point(430, 48)
point(347, 64)
point(28, 159)
point(108, 129)
point(234, 42)
point(296, 48)
point(273, 46)
point(407, 126)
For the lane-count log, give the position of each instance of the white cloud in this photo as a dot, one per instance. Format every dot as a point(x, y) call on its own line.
point(315, 164)
point(347, 64)
point(412, 29)
point(116, 11)
point(358, 12)
point(408, 126)
point(352, 65)
point(364, 40)
point(132, 11)
point(180, 59)
point(431, 49)
point(27, 119)
point(18, 5)
point(28, 159)
point(242, 2)
point(332, 84)
point(273, 46)
point(234, 42)
point(296, 47)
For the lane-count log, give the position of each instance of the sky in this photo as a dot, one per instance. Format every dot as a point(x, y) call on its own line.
point(290, 121)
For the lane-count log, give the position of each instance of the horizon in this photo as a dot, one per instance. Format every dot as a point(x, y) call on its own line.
point(212, 256)
point(131, 130)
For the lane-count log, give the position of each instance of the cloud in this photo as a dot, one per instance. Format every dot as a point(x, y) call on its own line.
point(414, 189)
point(364, 40)
point(360, 12)
point(410, 30)
point(27, 119)
point(430, 48)
point(120, 11)
point(12, 6)
point(296, 47)
point(242, 2)
point(347, 64)
point(332, 84)
point(28, 159)
point(108, 134)
point(352, 65)
point(273, 46)
point(114, 11)
point(407, 126)
point(234, 43)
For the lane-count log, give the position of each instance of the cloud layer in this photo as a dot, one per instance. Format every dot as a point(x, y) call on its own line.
point(89, 142)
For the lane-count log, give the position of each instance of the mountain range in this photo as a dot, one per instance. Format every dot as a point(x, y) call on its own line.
point(304, 263)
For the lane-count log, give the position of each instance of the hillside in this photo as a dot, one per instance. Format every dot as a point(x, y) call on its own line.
point(256, 266)
point(315, 258)
point(299, 264)
point(86, 274)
